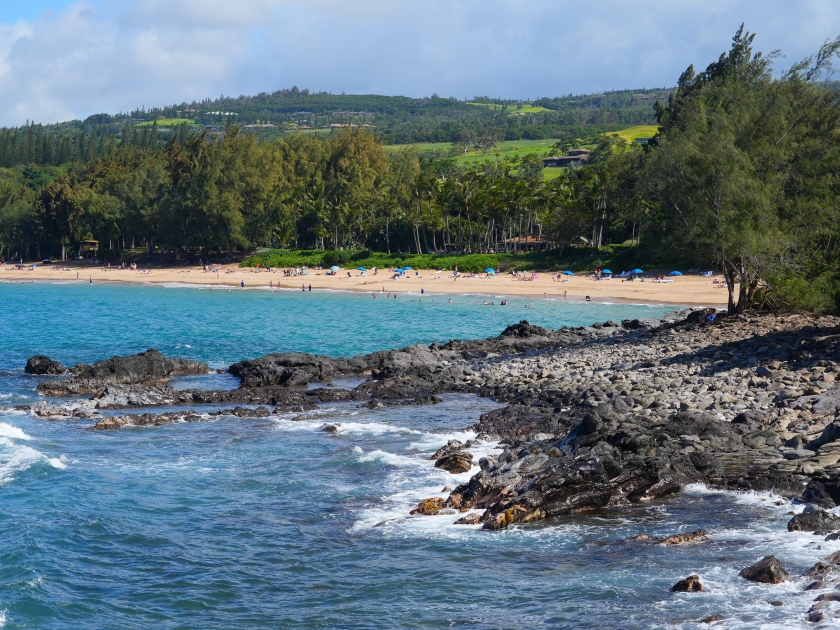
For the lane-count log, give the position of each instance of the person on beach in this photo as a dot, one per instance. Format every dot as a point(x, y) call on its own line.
point(242, 284)
point(310, 288)
point(564, 295)
point(545, 296)
point(588, 299)
point(91, 279)
point(271, 284)
point(422, 292)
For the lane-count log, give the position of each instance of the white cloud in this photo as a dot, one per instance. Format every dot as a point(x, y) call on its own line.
point(130, 53)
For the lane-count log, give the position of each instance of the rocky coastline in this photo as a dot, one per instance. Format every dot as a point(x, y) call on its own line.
point(596, 417)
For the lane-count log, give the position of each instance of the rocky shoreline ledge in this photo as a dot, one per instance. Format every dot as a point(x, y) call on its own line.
point(596, 417)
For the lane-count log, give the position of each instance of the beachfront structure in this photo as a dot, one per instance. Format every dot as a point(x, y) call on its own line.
point(528, 243)
point(575, 157)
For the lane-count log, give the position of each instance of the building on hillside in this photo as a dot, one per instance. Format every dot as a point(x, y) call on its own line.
point(350, 126)
point(575, 157)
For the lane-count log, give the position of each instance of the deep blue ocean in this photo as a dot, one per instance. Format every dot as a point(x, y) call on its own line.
point(273, 523)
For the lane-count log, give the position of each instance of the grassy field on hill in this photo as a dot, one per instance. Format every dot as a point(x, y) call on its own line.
point(639, 131)
point(512, 109)
point(167, 122)
point(510, 149)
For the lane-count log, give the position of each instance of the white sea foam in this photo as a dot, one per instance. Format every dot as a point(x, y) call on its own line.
point(11, 431)
point(16, 458)
point(391, 459)
point(3, 618)
point(58, 462)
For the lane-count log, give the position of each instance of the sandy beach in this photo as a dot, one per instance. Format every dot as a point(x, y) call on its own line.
point(687, 290)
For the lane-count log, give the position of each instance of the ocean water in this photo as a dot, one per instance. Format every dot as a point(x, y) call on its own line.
point(274, 523)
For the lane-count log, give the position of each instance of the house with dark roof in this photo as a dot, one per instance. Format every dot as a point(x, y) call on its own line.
point(575, 157)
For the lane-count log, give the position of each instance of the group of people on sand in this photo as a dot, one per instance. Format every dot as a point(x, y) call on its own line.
point(523, 275)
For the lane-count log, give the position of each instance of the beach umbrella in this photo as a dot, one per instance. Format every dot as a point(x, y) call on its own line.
point(568, 273)
point(361, 269)
point(606, 271)
point(489, 270)
point(334, 268)
point(637, 271)
point(407, 269)
point(675, 273)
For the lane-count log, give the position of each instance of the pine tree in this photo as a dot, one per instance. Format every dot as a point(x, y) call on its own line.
point(125, 140)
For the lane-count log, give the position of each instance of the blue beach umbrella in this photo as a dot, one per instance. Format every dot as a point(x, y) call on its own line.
point(675, 273)
point(606, 271)
point(489, 270)
point(407, 269)
point(637, 271)
point(568, 273)
point(334, 268)
point(361, 269)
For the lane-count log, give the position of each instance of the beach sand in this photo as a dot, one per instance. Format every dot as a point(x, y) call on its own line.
point(685, 290)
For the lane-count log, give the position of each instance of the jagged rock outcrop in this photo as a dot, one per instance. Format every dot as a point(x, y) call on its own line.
point(44, 366)
point(814, 521)
point(293, 369)
point(146, 368)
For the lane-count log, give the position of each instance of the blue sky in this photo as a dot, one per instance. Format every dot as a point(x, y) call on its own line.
point(64, 59)
point(14, 10)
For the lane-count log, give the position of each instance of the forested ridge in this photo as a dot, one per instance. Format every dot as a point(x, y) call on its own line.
point(394, 119)
point(742, 177)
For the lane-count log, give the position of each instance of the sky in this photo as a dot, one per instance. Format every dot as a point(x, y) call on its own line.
point(66, 59)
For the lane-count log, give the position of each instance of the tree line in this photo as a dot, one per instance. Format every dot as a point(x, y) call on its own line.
point(742, 177)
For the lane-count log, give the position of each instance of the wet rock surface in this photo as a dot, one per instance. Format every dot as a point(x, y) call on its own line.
point(768, 570)
point(691, 584)
point(455, 463)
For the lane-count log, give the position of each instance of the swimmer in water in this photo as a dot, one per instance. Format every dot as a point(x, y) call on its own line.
point(588, 299)
point(450, 301)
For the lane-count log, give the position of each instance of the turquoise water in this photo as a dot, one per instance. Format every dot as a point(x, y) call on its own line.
point(273, 523)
